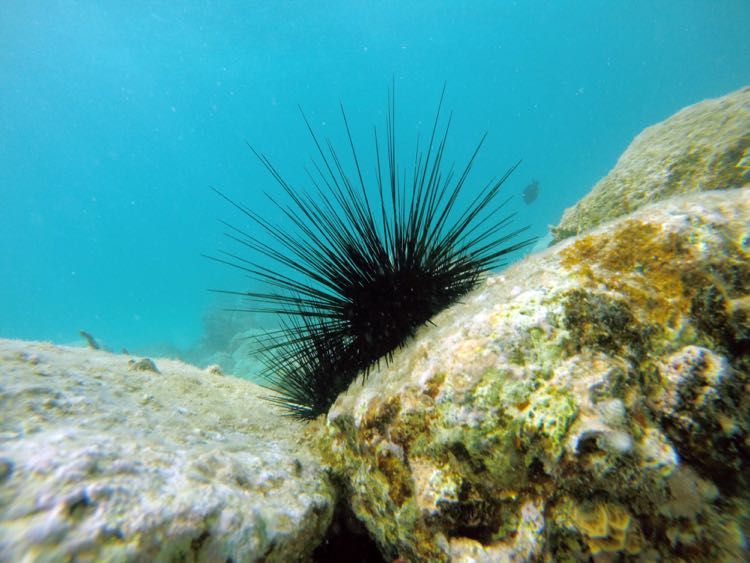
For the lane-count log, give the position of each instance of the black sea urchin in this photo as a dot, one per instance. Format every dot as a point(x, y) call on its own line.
point(355, 272)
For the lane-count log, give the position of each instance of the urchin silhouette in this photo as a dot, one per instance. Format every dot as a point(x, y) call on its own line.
point(360, 264)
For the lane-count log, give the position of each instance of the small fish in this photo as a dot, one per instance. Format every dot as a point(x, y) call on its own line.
point(531, 192)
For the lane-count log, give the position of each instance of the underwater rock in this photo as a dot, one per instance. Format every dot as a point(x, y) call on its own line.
point(589, 402)
point(102, 463)
point(144, 364)
point(703, 147)
point(238, 355)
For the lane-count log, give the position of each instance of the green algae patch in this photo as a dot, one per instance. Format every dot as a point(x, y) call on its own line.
point(530, 420)
point(601, 323)
point(546, 423)
point(534, 350)
point(373, 478)
point(475, 458)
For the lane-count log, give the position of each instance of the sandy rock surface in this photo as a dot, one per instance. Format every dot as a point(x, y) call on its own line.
point(103, 458)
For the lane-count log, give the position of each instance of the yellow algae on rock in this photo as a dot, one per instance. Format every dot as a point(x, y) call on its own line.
point(653, 269)
point(607, 528)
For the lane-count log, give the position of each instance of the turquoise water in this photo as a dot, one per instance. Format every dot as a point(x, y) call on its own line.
point(117, 117)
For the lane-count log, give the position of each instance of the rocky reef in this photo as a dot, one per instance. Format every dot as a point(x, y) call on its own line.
point(590, 402)
point(704, 147)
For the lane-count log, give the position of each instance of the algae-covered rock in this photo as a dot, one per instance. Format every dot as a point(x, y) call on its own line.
point(703, 147)
point(593, 401)
point(103, 462)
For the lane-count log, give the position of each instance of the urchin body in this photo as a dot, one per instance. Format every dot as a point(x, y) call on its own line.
point(384, 312)
point(356, 271)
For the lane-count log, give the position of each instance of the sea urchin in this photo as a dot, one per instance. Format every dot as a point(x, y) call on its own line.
point(355, 271)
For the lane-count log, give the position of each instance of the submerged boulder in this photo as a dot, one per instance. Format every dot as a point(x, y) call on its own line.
point(591, 401)
point(104, 461)
point(703, 147)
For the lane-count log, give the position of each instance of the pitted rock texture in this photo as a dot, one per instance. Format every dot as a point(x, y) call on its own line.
point(703, 147)
point(591, 401)
point(103, 462)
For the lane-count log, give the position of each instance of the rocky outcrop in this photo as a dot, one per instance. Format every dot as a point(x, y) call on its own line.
point(591, 401)
point(704, 147)
point(103, 458)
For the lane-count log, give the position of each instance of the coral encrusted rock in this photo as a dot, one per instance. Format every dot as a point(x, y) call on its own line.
point(593, 401)
point(703, 147)
point(103, 462)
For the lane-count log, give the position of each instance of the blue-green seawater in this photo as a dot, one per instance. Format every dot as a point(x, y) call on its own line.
point(116, 117)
